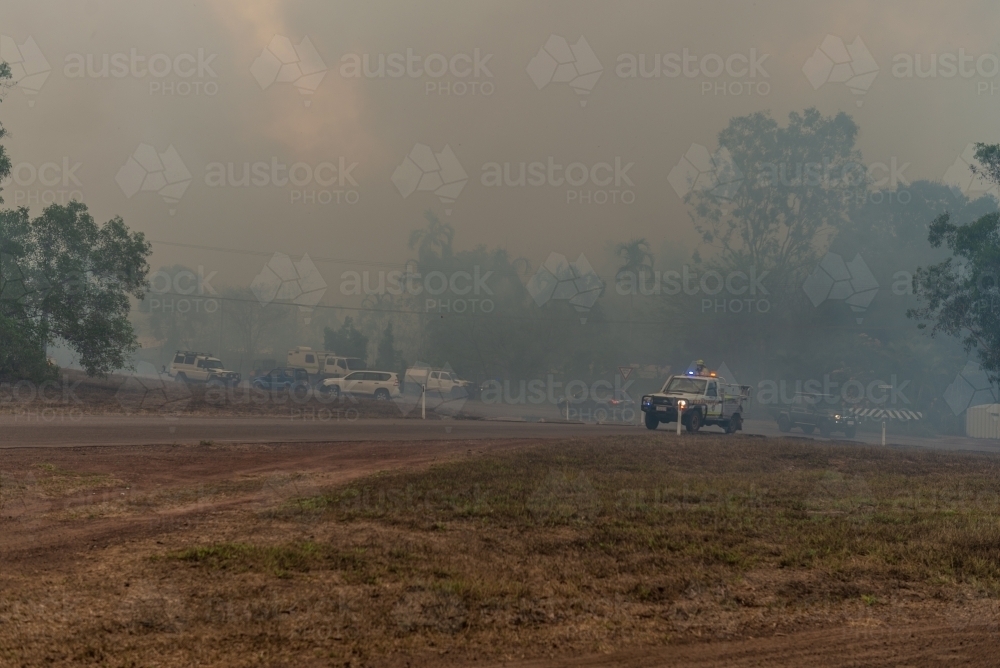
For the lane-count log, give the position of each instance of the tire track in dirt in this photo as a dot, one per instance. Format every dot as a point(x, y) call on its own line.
point(164, 473)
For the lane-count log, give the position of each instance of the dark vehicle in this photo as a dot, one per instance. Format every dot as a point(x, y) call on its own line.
point(603, 409)
point(282, 378)
point(812, 411)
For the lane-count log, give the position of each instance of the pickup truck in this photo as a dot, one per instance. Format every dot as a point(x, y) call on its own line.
point(439, 382)
point(700, 400)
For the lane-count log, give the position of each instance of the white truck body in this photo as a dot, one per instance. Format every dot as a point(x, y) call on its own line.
point(195, 367)
point(436, 381)
point(700, 400)
point(323, 364)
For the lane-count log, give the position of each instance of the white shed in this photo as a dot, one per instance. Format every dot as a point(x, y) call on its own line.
point(983, 421)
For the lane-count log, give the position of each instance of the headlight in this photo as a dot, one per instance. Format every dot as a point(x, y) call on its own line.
point(836, 417)
point(681, 404)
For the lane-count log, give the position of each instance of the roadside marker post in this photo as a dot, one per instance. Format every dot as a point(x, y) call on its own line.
point(884, 387)
point(423, 402)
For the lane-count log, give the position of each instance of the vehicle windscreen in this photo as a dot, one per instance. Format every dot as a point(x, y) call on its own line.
point(354, 363)
point(682, 384)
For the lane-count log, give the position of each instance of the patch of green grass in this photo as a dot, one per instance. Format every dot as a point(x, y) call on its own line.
point(241, 557)
point(278, 560)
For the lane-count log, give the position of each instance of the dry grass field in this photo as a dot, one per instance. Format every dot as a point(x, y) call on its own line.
point(645, 550)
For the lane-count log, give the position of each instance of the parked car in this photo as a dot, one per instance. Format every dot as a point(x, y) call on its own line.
point(282, 378)
point(322, 364)
point(604, 409)
point(193, 367)
point(810, 411)
point(382, 385)
point(439, 382)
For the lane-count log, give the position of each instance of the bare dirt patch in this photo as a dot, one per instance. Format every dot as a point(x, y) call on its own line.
point(639, 550)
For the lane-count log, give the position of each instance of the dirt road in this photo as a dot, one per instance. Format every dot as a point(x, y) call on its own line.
point(40, 430)
point(20, 431)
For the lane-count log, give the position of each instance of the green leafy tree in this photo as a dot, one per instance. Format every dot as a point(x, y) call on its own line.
point(23, 352)
point(960, 296)
point(66, 278)
point(347, 340)
point(799, 184)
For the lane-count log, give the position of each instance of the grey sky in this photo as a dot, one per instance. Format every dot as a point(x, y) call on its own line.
point(226, 114)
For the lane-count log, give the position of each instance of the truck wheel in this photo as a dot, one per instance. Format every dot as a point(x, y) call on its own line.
point(734, 424)
point(300, 391)
point(784, 424)
point(382, 395)
point(808, 429)
point(851, 432)
point(652, 422)
point(181, 378)
point(694, 421)
point(825, 431)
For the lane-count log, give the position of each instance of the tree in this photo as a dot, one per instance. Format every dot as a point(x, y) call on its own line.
point(5, 77)
point(781, 192)
point(636, 256)
point(378, 310)
point(23, 352)
point(433, 241)
point(637, 259)
point(960, 296)
point(178, 321)
point(387, 357)
point(347, 340)
point(251, 319)
point(64, 277)
point(68, 278)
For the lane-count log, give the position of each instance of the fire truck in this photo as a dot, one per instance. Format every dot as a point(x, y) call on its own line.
point(698, 398)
